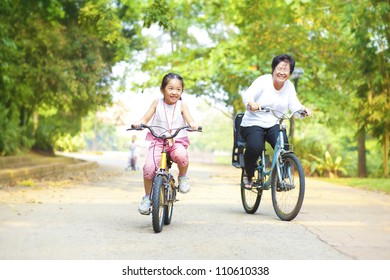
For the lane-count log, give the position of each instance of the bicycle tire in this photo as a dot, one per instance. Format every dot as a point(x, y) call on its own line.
point(169, 206)
point(250, 198)
point(158, 203)
point(287, 202)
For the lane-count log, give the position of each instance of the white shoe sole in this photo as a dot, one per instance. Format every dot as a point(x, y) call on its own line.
point(144, 212)
point(187, 191)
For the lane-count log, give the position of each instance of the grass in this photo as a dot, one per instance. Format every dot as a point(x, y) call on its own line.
point(27, 183)
point(372, 184)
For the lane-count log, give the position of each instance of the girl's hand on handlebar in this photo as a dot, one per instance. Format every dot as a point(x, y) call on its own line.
point(137, 125)
point(194, 126)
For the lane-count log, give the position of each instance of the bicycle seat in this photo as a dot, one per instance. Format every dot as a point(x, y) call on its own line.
point(238, 143)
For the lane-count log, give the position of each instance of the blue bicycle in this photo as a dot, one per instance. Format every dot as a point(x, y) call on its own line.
point(283, 175)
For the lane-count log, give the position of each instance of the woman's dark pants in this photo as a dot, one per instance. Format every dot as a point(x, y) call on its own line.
point(255, 137)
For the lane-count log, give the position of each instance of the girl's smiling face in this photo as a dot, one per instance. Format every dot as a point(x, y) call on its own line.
point(172, 92)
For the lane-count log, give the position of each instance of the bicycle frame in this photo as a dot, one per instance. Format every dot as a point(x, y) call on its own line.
point(164, 171)
point(263, 168)
point(278, 150)
point(164, 157)
point(169, 186)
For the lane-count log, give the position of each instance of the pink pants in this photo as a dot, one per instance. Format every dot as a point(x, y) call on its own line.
point(177, 152)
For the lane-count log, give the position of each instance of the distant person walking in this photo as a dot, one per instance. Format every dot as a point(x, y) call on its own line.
point(132, 158)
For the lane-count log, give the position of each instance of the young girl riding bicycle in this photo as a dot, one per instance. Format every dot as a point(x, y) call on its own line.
point(168, 112)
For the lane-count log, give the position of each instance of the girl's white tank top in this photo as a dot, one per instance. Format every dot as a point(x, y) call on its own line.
point(168, 118)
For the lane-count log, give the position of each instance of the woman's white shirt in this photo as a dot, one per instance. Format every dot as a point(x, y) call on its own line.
point(263, 92)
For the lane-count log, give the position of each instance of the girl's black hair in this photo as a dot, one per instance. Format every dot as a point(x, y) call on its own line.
point(286, 58)
point(169, 77)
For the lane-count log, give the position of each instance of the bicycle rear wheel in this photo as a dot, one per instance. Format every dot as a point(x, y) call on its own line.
point(158, 203)
point(287, 197)
point(250, 198)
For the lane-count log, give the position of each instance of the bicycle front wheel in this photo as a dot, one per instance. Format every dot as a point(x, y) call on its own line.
point(250, 198)
point(158, 203)
point(287, 196)
point(169, 205)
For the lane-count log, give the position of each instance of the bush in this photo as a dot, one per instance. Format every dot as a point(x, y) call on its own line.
point(14, 139)
point(69, 143)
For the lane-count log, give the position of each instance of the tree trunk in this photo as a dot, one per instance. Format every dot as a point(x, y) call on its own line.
point(95, 132)
point(35, 121)
point(292, 119)
point(386, 153)
point(362, 166)
point(292, 130)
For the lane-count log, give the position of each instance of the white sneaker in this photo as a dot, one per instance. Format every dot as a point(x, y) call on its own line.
point(184, 185)
point(144, 207)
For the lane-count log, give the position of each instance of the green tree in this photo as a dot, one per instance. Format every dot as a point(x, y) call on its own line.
point(56, 65)
point(245, 35)
point(369, 25)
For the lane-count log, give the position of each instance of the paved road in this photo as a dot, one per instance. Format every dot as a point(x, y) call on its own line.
point(95, 217)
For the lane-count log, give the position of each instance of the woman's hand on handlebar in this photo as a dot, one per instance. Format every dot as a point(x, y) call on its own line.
point(253, 106)
point(307, 112)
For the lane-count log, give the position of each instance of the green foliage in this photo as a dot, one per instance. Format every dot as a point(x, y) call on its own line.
point(315, 139)
point(56, 56)
point(53, 127)
point(327, 165)
point(368, 22)
point(13, 138)
point(69, 143)
point(100, 17)
point(243, 37)
point(98, 134)
point(27, 183)
point(158, 12)
point(322, 152)
point(217, 135)
point(372, 184)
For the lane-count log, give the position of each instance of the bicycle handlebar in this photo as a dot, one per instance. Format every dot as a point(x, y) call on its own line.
point(282, 115)
point(166, 130)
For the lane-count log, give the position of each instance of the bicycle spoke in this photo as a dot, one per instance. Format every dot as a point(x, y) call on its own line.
point(169, 204)
point(250, 198)
point(158, 202)
point(287, 195)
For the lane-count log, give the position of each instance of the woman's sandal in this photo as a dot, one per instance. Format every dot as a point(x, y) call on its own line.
point(247, 184)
